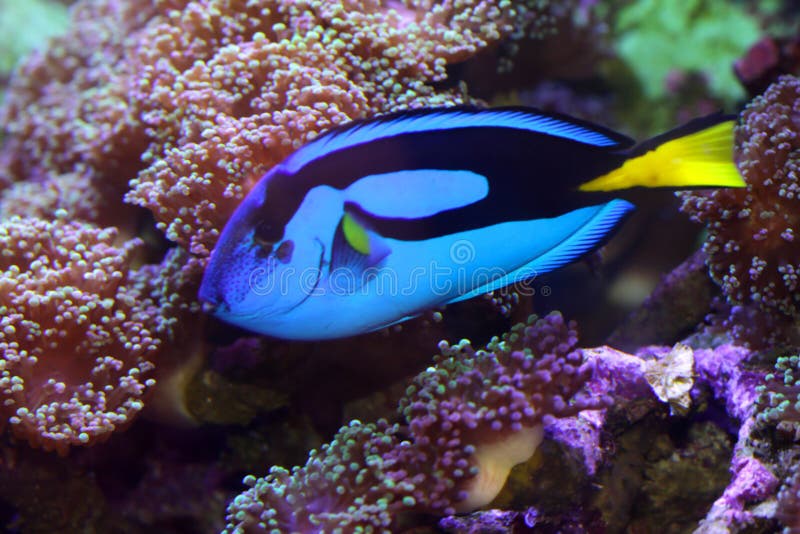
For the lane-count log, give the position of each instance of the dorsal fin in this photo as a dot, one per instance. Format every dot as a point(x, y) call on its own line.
point(427, 120)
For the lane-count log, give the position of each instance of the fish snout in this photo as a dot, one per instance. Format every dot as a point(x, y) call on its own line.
point(212, 297)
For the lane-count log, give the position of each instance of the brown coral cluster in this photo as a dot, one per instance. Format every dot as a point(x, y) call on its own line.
point(245, 85)
point(74, 350)
point(83, 336)
point(192, 101)
point(752, 242)
point(72, 136)
point(466, 422)
point(178, 107)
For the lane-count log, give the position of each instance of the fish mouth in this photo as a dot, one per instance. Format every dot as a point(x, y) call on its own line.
point(209, 293)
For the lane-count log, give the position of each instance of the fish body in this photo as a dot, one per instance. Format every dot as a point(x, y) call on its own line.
point(375, 222)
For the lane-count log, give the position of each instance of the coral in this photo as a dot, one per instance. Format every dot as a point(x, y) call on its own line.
point(247, 86)
point(348, 482)
point(177, 107)
point(751, 482)
point(655, 38)
point(466, 419)
point(766, 60)
point(678, 303)
point(192, 101)
point(42, 20)
point(530, 520)
point(166, 292)
point(789, 504)
point(724, 371)
point(779, 397)
point(620, 379)
point(76, 353)
point(573, 50)
point(750, 325)
point(166, 299)
point(72, 192)
point(488, 522)
point(321, 378)
point(482, 399)
point(81, 331)
point(72, 136)
point(751, 245)
point(568, 476)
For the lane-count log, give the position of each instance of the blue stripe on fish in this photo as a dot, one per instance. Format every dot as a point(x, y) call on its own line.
point(358, 133)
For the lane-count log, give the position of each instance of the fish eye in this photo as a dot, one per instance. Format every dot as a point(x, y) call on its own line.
point(266, 231)
point(284, 251)
point(265, 237)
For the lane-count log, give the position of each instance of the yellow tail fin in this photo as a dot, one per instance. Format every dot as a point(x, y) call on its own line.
point(700, 159)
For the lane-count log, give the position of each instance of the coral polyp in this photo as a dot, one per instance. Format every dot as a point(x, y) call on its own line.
point(751, 244)
point(76, 353)
point(465, 423)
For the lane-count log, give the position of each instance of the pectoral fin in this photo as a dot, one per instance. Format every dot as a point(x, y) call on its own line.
point(356, 247)
point(355, 235)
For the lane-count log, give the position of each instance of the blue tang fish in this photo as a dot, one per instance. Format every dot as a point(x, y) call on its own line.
point(376, 221)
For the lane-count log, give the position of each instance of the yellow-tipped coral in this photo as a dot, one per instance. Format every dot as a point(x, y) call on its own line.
point(192, 101)
point(467, 421)
point(75, 353)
